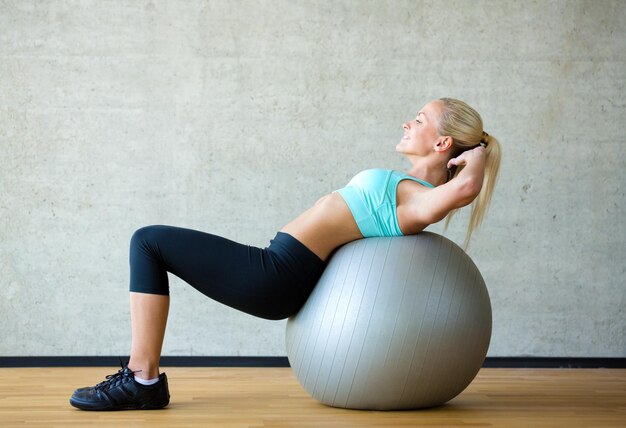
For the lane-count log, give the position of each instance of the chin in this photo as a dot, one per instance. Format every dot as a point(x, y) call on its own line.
point(401, 150)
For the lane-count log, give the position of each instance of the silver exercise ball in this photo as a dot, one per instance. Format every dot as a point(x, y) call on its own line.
point(393, 323)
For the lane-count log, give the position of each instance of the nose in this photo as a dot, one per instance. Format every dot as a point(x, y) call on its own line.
point(405, 126)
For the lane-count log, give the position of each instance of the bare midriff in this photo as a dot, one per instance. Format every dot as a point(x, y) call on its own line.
point(329, 223)
point(325, 226)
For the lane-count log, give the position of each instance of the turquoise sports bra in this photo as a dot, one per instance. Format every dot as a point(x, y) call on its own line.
point(371, 197)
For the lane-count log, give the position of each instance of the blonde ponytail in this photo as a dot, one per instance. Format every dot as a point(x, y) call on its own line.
point(465, 126)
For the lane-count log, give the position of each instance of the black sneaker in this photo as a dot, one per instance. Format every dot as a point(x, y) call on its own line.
point(121, 392)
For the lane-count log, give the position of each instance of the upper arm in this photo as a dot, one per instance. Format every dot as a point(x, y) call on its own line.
point(433, 205)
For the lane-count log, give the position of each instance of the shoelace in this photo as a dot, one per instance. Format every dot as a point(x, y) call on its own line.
point(117, 378)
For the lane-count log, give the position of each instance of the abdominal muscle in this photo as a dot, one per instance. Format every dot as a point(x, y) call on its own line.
point(325, 226)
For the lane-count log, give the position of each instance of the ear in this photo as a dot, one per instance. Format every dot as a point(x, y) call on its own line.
point(443, 144)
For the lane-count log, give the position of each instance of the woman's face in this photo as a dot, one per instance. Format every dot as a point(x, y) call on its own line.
point(420, 134)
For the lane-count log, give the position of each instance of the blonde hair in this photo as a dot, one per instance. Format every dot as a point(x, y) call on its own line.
point(461, 122)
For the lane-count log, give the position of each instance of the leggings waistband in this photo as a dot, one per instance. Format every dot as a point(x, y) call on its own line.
point(284, 244)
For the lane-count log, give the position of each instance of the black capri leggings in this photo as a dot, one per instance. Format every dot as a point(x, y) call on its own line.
point(271, 283)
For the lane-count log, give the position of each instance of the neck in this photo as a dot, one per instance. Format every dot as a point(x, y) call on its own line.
point(428, 170)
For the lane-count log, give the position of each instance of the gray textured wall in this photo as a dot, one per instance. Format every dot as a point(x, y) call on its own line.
point(233, 117)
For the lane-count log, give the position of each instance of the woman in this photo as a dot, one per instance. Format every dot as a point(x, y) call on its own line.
point(446, 146)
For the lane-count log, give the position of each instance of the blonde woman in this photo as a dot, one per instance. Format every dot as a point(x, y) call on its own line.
point(454, 162)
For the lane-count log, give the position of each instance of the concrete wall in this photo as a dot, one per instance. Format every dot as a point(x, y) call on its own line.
point(233, 117)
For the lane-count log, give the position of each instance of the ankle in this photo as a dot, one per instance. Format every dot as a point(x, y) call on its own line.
point(144, 370)
point(146, 374)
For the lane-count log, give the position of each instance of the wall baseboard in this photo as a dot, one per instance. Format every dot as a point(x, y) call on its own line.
point(555, 362)
point(181, 361)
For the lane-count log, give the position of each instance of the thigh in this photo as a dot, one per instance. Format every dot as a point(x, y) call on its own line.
point(238, 275)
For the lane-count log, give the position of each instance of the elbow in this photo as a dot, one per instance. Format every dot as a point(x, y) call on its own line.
point(469, 189)
point(474, 186)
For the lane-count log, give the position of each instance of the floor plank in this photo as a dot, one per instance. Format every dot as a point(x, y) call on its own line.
point(272, 397)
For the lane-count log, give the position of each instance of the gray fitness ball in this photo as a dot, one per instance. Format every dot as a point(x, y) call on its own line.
point(393, 323)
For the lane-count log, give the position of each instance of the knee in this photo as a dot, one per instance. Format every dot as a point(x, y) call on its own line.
point(146, 232)
point(145, 236)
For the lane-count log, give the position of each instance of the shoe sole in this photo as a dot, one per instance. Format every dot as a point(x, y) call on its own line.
point(85, 405)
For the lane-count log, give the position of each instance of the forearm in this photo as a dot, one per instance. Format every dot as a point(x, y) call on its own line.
point(470, 179)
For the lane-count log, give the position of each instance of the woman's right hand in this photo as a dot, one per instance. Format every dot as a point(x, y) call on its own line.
point(467, 157)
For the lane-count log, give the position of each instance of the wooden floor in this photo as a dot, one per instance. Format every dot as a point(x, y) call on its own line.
point(272, 397)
